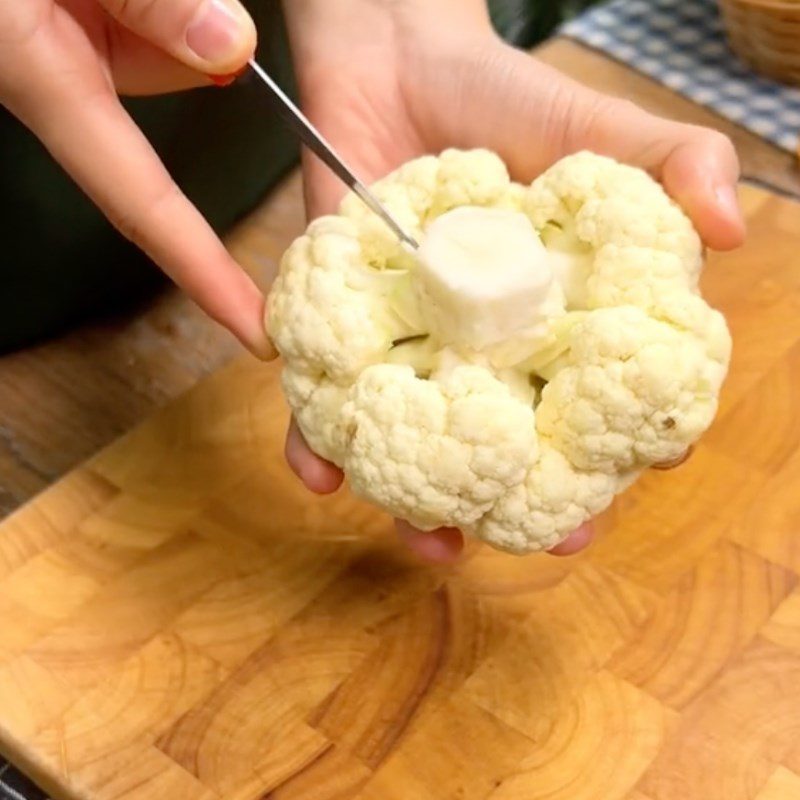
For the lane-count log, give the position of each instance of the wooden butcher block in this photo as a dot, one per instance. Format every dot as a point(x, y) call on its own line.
point(180, 620)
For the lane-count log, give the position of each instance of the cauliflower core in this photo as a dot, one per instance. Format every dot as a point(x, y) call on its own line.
point(545, 344)
point(486, 279)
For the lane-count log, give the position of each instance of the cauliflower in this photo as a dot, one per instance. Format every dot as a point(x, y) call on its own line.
point(544, 345)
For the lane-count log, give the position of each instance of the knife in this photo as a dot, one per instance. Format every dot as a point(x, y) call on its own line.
point(313, 139)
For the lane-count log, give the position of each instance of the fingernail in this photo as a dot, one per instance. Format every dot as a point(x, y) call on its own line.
point(728, 201)
point(263, 349)
point(443, 546)
point(214, 34)
point(675, 462)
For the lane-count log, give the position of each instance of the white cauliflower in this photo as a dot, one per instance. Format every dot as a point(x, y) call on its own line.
point(543, 347)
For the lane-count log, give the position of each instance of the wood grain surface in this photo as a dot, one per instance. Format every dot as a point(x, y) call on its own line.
point(181, 620)
point(63, 400)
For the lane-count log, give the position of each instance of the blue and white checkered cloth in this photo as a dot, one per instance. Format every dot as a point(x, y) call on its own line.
point(682, 45)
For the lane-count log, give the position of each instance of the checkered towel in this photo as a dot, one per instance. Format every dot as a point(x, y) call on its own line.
point(682, 45)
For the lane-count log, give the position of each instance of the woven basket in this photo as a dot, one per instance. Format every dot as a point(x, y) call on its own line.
point(766, 35)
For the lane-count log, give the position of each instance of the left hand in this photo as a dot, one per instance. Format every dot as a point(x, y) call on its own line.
point(63, 65)
point(417, 76)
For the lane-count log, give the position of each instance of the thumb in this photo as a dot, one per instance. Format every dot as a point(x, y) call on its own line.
point(698, 166)
point(215, 37)
point(701, 174)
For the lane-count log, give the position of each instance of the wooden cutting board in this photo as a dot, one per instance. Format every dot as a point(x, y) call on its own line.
point(181, 620)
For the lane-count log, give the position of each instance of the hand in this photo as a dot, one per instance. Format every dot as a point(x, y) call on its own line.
point(417, 76)
point(62, 65)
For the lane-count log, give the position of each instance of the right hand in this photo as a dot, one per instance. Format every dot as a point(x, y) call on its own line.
point(63, 64)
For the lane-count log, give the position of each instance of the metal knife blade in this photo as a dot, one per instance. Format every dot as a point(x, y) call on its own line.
point(314, 140)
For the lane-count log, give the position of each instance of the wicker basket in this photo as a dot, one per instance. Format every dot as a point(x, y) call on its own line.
point(766, 35)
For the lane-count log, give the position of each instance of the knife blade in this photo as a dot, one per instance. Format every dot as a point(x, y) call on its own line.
point(316, 142)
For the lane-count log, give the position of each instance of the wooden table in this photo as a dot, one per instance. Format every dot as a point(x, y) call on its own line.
point(62, 401)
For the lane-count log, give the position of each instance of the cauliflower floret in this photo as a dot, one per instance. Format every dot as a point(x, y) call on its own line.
point(380, 247)
point(327, 309)
point(430, 451)
point(631, 392)
point(424, 189)
point(317, 403)
point(554, 498)
point(693, 314)
point(613, 226)
point(445, 401)
point(472, 178)
point(637, 276)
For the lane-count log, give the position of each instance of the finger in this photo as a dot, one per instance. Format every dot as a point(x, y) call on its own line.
point(702, 174)
point(578, 540)
point(698, 166)
point(318, 475)
point(62, 94)
point(675, 462)
point(139, 67)
point(442, 546)
point(210, 36)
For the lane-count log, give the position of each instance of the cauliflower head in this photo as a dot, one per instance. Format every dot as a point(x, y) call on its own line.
point(544, 345)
